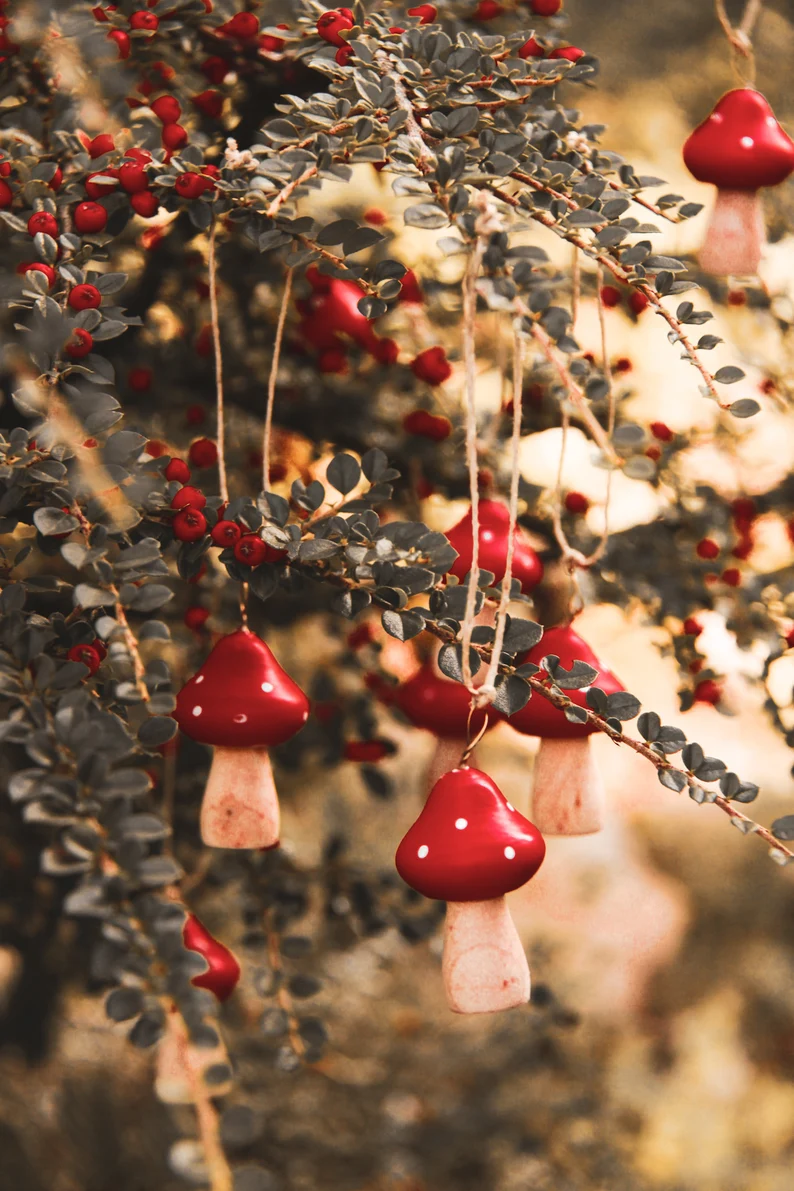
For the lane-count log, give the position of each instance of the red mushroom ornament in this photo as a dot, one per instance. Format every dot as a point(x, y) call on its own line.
point(441, 706)
point(469, 847)
point(494, 526)
point(740, 148)
point(568, 792)
point(243, 704)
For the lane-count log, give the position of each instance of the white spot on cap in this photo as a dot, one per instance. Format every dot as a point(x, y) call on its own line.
point(241, 718)
point(197, 710)
point(461, 824)
point(716, 117)
point(306, 714)
point(747, 142)
point(509, 805)
point(771, 121)
point(510, 853)
point(199, 678)
point(267, 687)
point(423, 851)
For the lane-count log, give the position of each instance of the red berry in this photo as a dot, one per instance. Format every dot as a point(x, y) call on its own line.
point(251, 550)
point(343, 55)
point(623, 364)
point(367, 750)
point(692, 627)
point(226, 533)
point(209, 103)
point(148, 21)
point(42, 221)
point(744, 547)
point(531, 49)
point(637, 302)
point(545, 8)
point(569, 52)
point(427, 13)
point(427, 425)
point(122, 41)
point(661, 431)
point(331, 23)
point(56, 179)
point(790, 639)
point(361, 635)
point(744, 511)
point(575, 502)
point(178, 470)
point(708, 691)
point(375, 216)
point(732, 576)
point(88, 655)
point(155, 448)
point(189, 186)
point(432, 366)
point(139, 379)
point(332, 361)
point(101, 144)
point(654, 453)
point(84, 297)
point(215, 69)
point(190, 525)
point(410, 289)
point(174, 137)
point(146, 204)
point(38, 267)
point(195, 415)
point(189, 497)
point(737, 297)
point(133, 177)
point(142, 155)
point(167, 109)
point(203, 453)
point(243, 26)
point(707, 548)
point(90, 218)
point(386, 351)
point(487, 10)
point(270, 44)
point(79, 343)
point(96, 190)
point(6, 195)
point(196, 618)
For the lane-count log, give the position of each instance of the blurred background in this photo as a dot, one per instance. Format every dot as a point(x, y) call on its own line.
point(658, 1052)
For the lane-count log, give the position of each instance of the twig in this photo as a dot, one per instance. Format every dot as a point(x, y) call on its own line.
point(424, 154)
point(216, 340)
point(208, 1122)
point(271, 384)
point(283, 195)
point(470, 365)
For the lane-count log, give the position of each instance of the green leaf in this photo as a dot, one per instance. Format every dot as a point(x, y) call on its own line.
point(402, 625)
point(728, 375)
point(672, 779)
point(745, 407)
point(344, 473)
point(425, 215)
point(648, 725)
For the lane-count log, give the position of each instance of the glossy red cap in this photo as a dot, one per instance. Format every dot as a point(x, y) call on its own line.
point(494, 518)
point(223, 970)
point(740, 146)
point(241, 698)
point(469, 844)
point(538, 717)
point(440, 705)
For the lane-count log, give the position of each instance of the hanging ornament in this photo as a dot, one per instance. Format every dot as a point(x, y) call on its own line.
point(740, 148)
point(469, 847)
point(494, 527)
point(242, 703)
point(568, 791)
point(332, 311)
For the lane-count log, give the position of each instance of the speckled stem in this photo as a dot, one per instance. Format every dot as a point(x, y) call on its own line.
point(240, 805)
point(485, 969)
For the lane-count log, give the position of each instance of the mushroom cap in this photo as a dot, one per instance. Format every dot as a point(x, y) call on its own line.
point(241, 698)
point(440, 705)
point(223, 970)
point(469, 844)
point(740, 146)
point(494, 519)
point(541, 718)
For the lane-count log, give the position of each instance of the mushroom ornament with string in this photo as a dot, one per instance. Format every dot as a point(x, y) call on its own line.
point(242, 703)
point(494, 527)
point(180, 1061)
point(740, 148)
point(469, 847)
point(568, 791)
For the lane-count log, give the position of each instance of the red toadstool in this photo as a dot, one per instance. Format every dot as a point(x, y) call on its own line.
point(494, 523)
point(740, 148)
point(469, 847)
point(242, 703)
point(568, 793)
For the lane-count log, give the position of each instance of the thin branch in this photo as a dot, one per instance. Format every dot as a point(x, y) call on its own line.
point(208, 1122)
point(470, 365)
point(216, 340)
point(283, 195)
point(271, 384)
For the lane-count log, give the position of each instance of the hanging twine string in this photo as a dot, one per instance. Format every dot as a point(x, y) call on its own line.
point(740, 38)
point(212, 269)
point(271, 383)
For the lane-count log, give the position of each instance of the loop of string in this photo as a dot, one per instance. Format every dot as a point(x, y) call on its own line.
point(740, 38)
point(271, 383)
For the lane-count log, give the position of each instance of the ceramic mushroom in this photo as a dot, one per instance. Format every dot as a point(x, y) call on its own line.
point(740, 148)
point(441, 706)
point(568, 791)
point(179, 1062)
point(242, 703)
point(469, 847)
point(332, 310)
point(494, 526)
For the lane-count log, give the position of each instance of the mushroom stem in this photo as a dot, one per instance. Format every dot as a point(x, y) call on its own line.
point(568, 791)
point(240, 805)
point(446, 756)
point(735, 235)
point(177, 1058)
point(484, 966)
